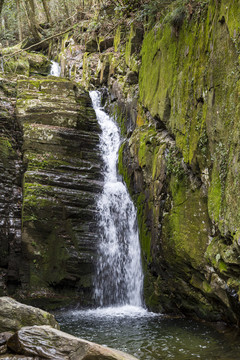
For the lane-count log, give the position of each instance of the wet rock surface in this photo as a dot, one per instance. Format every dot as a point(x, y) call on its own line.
point(27, 332)
point(11, 190)
point(49, 151)
point(48, 343)
point(61, 181)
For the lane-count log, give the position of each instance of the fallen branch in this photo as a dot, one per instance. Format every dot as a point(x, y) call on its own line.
point(42, 41)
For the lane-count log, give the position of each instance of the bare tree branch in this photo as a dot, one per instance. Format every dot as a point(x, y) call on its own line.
point(42, 41)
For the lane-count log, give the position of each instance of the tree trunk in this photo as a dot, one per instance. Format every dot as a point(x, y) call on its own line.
point(30, 6)
point(19, 22)
point(47, 11)
point(1, 5)
point(67, 12)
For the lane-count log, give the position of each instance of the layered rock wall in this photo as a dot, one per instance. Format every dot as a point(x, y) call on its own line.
point(11, 188)
point(51, 175)
point(61, 182)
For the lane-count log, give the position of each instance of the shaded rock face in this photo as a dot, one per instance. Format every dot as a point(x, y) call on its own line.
point(48, 343)
point(61, 181)
point(181, 165)
point(10, 190)
point(14, 316)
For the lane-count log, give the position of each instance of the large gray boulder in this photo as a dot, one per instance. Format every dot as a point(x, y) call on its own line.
point(48, 343)
point(14, 315)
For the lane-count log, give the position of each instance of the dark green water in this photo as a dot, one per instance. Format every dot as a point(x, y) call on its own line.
point(148, 336)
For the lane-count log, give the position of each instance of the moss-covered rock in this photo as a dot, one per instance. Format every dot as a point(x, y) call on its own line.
point(24, 63)
point(181, 162)
point(15, 315)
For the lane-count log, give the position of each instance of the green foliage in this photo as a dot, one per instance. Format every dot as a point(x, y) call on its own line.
point(174, 164)
point(8, 25)
point(151, 10)
point(177, 18)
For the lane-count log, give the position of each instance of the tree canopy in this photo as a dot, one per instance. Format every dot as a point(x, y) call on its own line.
point(42, 18)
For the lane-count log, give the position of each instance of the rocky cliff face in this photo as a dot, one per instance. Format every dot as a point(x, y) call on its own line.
point(51, 176)
point(11, 190)
point(176, 97)
point(175, 93)
point(61, 181)
point(182, 164)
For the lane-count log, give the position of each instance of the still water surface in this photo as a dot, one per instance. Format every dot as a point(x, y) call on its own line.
point(149, 336)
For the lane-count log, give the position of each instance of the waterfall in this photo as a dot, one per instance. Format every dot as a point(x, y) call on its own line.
point(55, 69)
point(119, 277)
point(2, 66)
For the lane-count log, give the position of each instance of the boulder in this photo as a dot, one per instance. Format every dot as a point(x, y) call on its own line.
point(91, 46)
point(14, 315)
point(106, 44)
point(49, 343)
point(39, 64)
point(132, 77)
point(4, 337)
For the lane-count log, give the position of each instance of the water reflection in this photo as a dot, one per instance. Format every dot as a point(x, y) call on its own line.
point(149, 336)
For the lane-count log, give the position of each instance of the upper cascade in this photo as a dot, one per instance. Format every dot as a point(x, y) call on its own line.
point(55, 69)
point(119, 279)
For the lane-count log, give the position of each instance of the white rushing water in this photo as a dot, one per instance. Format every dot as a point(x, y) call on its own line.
point(55, 69)
point(119, 278)
point(2, 66)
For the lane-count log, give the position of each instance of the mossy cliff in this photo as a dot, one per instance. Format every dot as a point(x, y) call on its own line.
point(175, 92)
point(181, 163)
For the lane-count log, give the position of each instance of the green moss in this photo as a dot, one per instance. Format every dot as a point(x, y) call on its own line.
point(121, 168)
point(45, 160)
point(6, 149)
point(201, 284)
point(117, 38)
point(152, 298)
point(121, 119)
point(147, 144)
point(17, 66)
point(169, 71)
point(144, 231)
point(25, 63)
point(185, 228)
point(174, 164)
point(214, 195)
point(230, 11)
point(130, 57)
point(189, 81)
point(222, 266)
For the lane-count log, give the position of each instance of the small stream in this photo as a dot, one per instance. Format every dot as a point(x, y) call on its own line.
point(55, 69)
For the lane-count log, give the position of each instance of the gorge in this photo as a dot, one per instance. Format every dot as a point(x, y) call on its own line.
point(169, 79)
